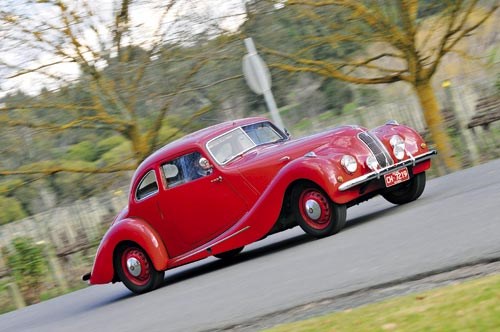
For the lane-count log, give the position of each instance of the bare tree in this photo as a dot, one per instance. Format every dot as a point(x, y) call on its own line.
point(109, 51)
point(400, 49)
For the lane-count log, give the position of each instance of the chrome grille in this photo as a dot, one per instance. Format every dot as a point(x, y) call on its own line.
point(376, 147)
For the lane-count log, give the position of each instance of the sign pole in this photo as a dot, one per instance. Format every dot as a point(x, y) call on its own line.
point(259, 80)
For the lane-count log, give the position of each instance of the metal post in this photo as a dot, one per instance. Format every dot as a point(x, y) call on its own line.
point(259, 80)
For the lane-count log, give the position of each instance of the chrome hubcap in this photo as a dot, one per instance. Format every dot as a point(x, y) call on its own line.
point(134, 266)
point(313, 209)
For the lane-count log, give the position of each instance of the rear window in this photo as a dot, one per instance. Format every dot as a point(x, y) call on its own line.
point(147, 187)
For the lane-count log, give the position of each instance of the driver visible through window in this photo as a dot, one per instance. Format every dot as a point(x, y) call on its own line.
point(188, 169)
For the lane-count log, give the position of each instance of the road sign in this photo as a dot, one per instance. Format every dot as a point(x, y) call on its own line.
point(258, 78)
point(256, 73)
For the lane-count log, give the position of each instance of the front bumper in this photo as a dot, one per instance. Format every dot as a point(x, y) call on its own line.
point(378, 173)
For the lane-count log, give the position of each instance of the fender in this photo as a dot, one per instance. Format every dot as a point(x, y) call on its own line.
point(135, 230)
point(414, 143)
point(263, 215)
point(323, 171)
point(259, 220)
point(413, 140)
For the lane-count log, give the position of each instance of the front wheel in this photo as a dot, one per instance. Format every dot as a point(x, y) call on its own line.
point(135, 269)
point(315, 213)
point(407, 191)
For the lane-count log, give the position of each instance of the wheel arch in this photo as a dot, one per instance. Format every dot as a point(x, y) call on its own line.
point(129, 230)
point(287, 199)
point(317, 171)
point(314, 211)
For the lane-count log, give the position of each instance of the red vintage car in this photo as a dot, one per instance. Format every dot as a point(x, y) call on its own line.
point(226, 186)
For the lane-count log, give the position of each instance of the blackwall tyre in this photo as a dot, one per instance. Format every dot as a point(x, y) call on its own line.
point(407, 191)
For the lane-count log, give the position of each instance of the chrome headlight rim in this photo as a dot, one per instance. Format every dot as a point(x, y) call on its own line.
point(372, 162)
point(398, 147)
point(349, 163)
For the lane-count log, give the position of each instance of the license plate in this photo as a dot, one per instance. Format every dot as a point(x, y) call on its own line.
point(396, 177)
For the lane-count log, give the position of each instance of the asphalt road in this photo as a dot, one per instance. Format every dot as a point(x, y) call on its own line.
point(455, 222)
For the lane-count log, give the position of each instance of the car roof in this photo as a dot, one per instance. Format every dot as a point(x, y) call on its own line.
point(195, 139)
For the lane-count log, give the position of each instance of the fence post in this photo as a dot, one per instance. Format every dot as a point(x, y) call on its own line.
point(16, 295)
point(55, 267)
point(456, 103)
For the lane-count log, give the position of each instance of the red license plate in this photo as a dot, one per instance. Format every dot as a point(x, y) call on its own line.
point(396, 177)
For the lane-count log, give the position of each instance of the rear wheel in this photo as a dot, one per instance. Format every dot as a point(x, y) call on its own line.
point(315, 213)
point(229, 254)
point(407, 191)
point(135, 269)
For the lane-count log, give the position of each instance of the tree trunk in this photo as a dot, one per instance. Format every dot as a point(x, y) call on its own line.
point(140, 147)
point(436, 125)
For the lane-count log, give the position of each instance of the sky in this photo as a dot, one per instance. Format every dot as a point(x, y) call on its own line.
point(145, 15)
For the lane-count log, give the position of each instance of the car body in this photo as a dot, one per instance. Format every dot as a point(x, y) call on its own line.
point(226, 186)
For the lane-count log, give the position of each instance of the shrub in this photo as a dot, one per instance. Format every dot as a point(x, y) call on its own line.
point(10, 210)
point(27, 265)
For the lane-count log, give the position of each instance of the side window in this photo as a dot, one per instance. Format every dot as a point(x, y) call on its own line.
point(148, 186)
point(184, 169)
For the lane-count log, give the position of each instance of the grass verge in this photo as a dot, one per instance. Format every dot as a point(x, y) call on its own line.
point(469, 306)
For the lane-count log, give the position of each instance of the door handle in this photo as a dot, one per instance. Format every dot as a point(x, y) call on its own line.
point(285, 159)
point(217, 179)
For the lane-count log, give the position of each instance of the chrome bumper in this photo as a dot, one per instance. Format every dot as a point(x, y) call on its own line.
point(378, 173)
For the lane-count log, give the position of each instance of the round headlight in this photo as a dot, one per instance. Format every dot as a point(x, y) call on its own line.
point(372, 162)
point(398, 146)
point(349, 163)
point(399, 152)
point(396, 140)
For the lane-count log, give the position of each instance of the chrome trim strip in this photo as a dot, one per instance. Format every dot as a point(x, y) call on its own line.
point(209, 248)
point(376, 174)
point(383, 150)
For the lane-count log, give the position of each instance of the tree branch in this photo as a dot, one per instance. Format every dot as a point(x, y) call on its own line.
point(58, 169)
point(390, 32)
point(449, 40)
point(92, 122)
point(327, 69)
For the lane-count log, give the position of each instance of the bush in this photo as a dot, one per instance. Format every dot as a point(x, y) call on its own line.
point(27, 265)
point(10, 210)
point(85, 151)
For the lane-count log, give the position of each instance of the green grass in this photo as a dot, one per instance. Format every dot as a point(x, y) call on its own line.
point(470, 306)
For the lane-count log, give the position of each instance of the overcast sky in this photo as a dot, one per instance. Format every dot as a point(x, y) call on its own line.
point(145, 15)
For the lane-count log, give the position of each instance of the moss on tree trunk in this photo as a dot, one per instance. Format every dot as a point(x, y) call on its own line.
point(436, 125)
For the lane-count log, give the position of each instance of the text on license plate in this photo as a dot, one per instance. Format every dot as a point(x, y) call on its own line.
point(396, 177)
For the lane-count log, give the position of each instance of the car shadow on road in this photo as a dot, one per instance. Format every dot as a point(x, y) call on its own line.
point(254, 253)
point(358, 221)
point(219, 264)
